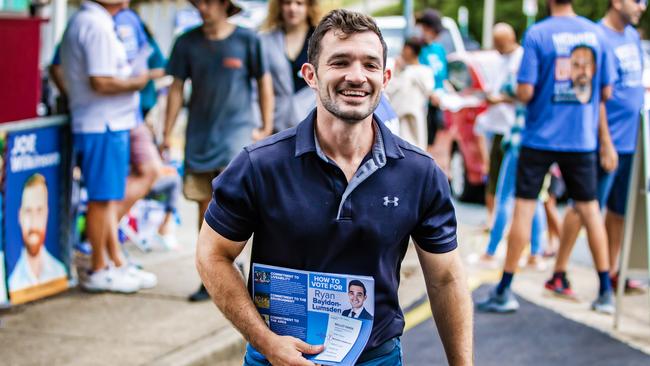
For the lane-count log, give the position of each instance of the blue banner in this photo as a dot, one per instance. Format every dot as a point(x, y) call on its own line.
point(33, 188)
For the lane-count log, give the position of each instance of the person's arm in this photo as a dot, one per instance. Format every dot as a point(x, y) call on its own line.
point(56, 73)
point(607, 151)
point(451, 303)
point(110, 85)
point(266, 100)
point(215, 256)
point(156, 73)
point(174, 105)
point(525, 92)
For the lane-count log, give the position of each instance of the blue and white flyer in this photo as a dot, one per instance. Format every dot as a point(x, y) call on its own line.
point(332, 309)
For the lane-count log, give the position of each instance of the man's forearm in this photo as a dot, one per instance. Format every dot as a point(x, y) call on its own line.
point(226, 286)
point(451, 306)
point(603, 129)
point(266, 100)
point(174, 104)
point(109, 85)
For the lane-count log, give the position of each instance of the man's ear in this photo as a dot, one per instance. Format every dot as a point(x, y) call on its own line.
point(308, 72)
point(388, 74)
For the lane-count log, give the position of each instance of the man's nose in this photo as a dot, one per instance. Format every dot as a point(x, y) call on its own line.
point(355, 74)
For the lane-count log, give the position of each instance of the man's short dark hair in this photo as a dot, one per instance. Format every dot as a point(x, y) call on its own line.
point(431, 18)
point(359, 284)
point(345, 23)
point(563, 1)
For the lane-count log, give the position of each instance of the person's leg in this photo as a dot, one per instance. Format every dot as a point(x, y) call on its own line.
point(493, 165)
point(505, 189)
point(581, 177)
point(198, 187)
point(537, 233)
point(146, 165)
point(531, 169)
point(554, 225)
point(614, 226)
point(96, 218)
point(112, 241)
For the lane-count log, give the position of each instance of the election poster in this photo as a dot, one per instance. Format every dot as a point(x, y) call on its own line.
point(32, 246)
point(335, 310)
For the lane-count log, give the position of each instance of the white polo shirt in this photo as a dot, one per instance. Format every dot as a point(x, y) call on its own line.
point(90, 47)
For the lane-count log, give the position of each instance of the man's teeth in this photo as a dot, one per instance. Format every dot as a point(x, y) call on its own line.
point(353, 93)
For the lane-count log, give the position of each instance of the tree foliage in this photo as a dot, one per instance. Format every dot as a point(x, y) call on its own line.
point(508, 11)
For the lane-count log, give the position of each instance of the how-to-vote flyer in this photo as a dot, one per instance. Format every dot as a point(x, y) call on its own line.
point(335, 310)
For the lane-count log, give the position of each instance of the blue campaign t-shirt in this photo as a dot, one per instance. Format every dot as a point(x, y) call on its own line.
point(627, 97)
point(434, 56)
point(130, 31)
point(565, 60)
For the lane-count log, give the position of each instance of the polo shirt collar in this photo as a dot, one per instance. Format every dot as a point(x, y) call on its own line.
point(384, 145)
point(96, 8)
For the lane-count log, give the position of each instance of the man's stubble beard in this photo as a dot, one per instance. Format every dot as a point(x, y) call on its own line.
point(352, 117)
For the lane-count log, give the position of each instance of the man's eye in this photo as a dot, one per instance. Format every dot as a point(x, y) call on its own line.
point(372, 66)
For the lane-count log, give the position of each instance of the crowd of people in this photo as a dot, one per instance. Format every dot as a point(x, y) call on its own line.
point(564, 109)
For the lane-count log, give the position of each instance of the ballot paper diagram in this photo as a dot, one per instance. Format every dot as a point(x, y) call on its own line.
point(333, 309)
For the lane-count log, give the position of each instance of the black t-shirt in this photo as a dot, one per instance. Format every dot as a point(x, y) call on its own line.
point(296, 65)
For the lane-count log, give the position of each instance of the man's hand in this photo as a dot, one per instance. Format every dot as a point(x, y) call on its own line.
point(260, 133)
point(286, 350)
point(608, 157)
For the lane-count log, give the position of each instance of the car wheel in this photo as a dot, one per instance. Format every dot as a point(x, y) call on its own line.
point(458, 175)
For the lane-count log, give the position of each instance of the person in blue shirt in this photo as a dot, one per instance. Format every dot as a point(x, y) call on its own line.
point(623, 108)
point(565, 76)
point(338, 193)
point(433, 55)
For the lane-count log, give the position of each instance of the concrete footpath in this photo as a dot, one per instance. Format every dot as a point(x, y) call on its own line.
point(159, 327)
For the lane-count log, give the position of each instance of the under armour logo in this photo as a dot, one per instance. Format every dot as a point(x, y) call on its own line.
point(388, 201)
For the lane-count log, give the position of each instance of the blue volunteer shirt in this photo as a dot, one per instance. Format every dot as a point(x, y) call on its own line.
point(627, 97)
point(434, 56)
point(130, 31)
point(565, 60)
point(306, 216)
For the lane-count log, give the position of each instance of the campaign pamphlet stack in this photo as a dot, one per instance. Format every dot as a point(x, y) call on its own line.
point(316, 308)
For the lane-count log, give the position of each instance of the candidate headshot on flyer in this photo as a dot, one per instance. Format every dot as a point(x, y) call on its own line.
point(359, 302)
point(35, 265)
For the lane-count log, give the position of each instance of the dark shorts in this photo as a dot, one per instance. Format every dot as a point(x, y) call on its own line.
point(617, 198)
point(579, 171)
point(496, 156)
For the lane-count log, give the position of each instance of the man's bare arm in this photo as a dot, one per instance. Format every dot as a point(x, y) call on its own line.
point(607, 151)
point(266, 100)
point(525, 92)
point(215, 257)
point(174, 105)
point(56, 73)
point(109, 85)
point(451, 303)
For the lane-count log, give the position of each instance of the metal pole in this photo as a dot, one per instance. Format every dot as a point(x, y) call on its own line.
point(408, 15)
point(58, 19)
point(488, 22)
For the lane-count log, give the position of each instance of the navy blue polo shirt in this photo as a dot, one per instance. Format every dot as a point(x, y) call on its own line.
point(306, 216)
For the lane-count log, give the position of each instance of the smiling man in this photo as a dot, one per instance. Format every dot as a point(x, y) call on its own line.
point(35, 265)
point(357, 295)
point(340, 194)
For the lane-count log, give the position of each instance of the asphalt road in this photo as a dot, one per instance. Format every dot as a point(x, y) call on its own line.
point(532, 336)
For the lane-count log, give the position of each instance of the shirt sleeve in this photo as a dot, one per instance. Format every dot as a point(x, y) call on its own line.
point(56, 59)
point(178, 65)
point(232, 211)
point(530, 62)
point(258, 65)
point(101, 52)
point(436, 231)
point(607, 65)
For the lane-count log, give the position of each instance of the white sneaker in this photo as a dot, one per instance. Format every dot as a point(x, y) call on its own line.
point(145, 279)
point(111, 280)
